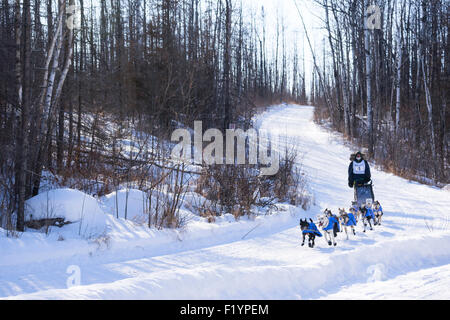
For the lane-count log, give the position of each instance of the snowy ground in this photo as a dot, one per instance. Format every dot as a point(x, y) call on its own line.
point(408, 257)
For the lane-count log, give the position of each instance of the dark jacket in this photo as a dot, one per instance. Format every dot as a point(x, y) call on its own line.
point(360, 177)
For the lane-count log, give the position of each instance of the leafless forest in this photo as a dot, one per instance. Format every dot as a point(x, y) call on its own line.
point(72, 68)
point(148, 64)
point(385, 84)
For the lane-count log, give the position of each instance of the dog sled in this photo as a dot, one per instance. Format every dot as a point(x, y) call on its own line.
point(364, 193)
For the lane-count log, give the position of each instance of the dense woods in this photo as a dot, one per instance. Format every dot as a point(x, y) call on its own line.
point(77, 76)
point(69, 65)
point(386, 82)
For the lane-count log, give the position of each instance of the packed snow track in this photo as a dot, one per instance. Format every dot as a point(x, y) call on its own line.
point(407, 257)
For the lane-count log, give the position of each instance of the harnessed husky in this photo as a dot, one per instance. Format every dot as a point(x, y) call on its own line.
point(378, 211)
point(348, 220)
point(309, 229)
point(330, 225)
point(368, 215)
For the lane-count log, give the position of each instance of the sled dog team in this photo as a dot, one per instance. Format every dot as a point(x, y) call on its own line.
point(345, 221)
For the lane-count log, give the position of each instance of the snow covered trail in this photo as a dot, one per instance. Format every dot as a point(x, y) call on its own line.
point(407, 257)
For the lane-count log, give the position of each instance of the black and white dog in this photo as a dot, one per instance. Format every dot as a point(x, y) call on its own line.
point(348, 221)
point(309, 229)
point(329, 223)
point(378, 211)
point(367, 216)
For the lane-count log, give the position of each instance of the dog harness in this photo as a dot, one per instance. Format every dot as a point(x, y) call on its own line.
point(312, 228)
point(351, 220)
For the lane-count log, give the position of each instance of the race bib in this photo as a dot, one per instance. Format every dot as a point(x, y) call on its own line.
point(359, 168)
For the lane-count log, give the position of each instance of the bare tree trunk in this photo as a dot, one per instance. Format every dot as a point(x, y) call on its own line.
point(20, 161)
point(62, 79)
point(430, 120)
point(369, 89)
point(227, 65)
point(399, 72)
point(428, 101)
point(47, 100)
point(398, 83)
point(334, 58)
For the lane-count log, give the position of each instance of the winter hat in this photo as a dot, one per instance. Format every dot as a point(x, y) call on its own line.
point(359, 156)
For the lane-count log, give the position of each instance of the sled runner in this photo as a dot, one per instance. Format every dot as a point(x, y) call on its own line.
point(364, 192)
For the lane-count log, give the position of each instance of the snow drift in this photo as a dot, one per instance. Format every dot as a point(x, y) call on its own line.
point(72, 205)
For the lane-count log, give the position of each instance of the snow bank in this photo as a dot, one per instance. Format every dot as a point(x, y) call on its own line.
point(127, 202)
point(72, 205)
point(218, 277)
